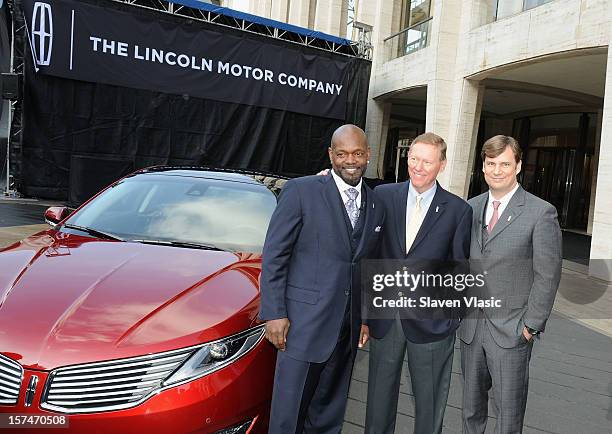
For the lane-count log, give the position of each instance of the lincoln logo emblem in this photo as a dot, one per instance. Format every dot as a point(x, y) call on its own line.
point(31, 390)
point(42, 33)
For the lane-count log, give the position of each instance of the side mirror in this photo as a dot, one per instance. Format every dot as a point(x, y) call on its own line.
point(56, 214)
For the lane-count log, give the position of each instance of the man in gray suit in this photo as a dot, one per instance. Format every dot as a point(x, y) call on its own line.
point(516, 239)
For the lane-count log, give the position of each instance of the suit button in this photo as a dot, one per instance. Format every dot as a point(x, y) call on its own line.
point(347, 292)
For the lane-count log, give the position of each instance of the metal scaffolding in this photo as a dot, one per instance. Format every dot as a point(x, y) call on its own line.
point(15, 112)
point(353, 49)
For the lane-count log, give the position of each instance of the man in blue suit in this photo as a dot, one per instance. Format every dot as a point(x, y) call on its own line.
point(423, 222)
point(310, 294)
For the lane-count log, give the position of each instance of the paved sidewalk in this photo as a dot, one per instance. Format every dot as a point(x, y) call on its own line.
point(20, 214)
point(570, 374)
point(584, 299)
point(570, 388)
point(18, 219)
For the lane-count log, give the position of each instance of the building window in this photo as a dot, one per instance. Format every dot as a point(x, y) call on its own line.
point(415, 22)
point(530, 4)
point(415, 12)
point(506, 8)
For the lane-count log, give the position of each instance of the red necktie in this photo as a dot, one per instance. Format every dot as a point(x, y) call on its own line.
point(495, 216)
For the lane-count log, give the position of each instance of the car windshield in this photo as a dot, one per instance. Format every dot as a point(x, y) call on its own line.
point(181, 210)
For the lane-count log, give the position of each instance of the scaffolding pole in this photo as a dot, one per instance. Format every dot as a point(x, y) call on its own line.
point(7, 186)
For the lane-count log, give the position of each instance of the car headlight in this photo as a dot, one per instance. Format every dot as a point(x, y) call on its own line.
point(215, 355)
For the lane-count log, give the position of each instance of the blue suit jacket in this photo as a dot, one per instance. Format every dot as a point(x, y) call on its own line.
point(444, 235)
point(309, 270)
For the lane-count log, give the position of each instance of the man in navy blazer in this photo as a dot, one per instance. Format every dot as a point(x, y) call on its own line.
point(310, 295)
point(423, 222)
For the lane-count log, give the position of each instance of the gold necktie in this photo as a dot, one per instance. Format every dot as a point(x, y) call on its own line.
point(416, 218)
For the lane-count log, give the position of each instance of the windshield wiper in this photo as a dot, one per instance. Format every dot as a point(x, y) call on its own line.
point(94, 232)
point(180, 244)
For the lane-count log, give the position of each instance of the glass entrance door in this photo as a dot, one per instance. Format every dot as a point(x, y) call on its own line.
point(558, 162)
point(550, 178)
point(554, 175)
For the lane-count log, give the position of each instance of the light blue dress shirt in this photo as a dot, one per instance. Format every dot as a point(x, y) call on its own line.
point(426, 199)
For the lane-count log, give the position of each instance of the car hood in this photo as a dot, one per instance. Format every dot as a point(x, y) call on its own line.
point(67, 299)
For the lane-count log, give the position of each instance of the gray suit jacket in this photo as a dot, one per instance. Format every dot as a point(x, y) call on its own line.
point(522, 259)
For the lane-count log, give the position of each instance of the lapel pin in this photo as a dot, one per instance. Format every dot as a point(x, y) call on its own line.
point(509, 217)
point(437, 208)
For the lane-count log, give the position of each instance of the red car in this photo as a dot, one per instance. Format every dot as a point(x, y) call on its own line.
point(138, 311)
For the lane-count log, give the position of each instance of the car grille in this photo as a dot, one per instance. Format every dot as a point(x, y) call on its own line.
point(11, 375)
point(111, 385)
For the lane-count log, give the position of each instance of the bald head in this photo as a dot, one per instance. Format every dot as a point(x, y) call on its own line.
point(349, 153)
point(349, 132)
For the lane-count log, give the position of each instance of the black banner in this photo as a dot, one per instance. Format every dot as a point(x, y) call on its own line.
point(73, 130)
point(79, 41)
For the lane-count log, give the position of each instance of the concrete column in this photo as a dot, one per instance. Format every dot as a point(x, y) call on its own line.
point(377, 126)
point(483, 12)
point(280, 10)
point(465, 118)
point(508, 8)
point(454, 103)
point(329, 17)
point(299, 12)
point(600, 265)
point(379, 111)
point(439, 103)
point(263, 8)
point(238, 5)
point(443, 90)
point(594, 180)
point(380, 15)
point(365, 11)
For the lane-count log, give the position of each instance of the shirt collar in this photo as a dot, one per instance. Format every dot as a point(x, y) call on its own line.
point(426, 195)
point(505, 198)
point(343, 186)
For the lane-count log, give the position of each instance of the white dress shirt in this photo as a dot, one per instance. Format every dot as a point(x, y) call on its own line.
point(343, 186)
point(502, 206)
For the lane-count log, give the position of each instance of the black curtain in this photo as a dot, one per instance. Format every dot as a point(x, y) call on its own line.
point(69, 122)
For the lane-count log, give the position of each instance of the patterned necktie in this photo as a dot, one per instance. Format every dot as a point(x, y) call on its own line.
point(351, 205)
point(495, 216)
point(412, 229)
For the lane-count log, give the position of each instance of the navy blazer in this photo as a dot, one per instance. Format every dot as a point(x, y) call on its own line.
point(309, 268)
point(444, 235)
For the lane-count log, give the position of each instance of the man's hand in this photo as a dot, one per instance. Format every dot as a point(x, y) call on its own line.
point(527, 335)
point(323, 172)
point(364, 335)
point(276, 332)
